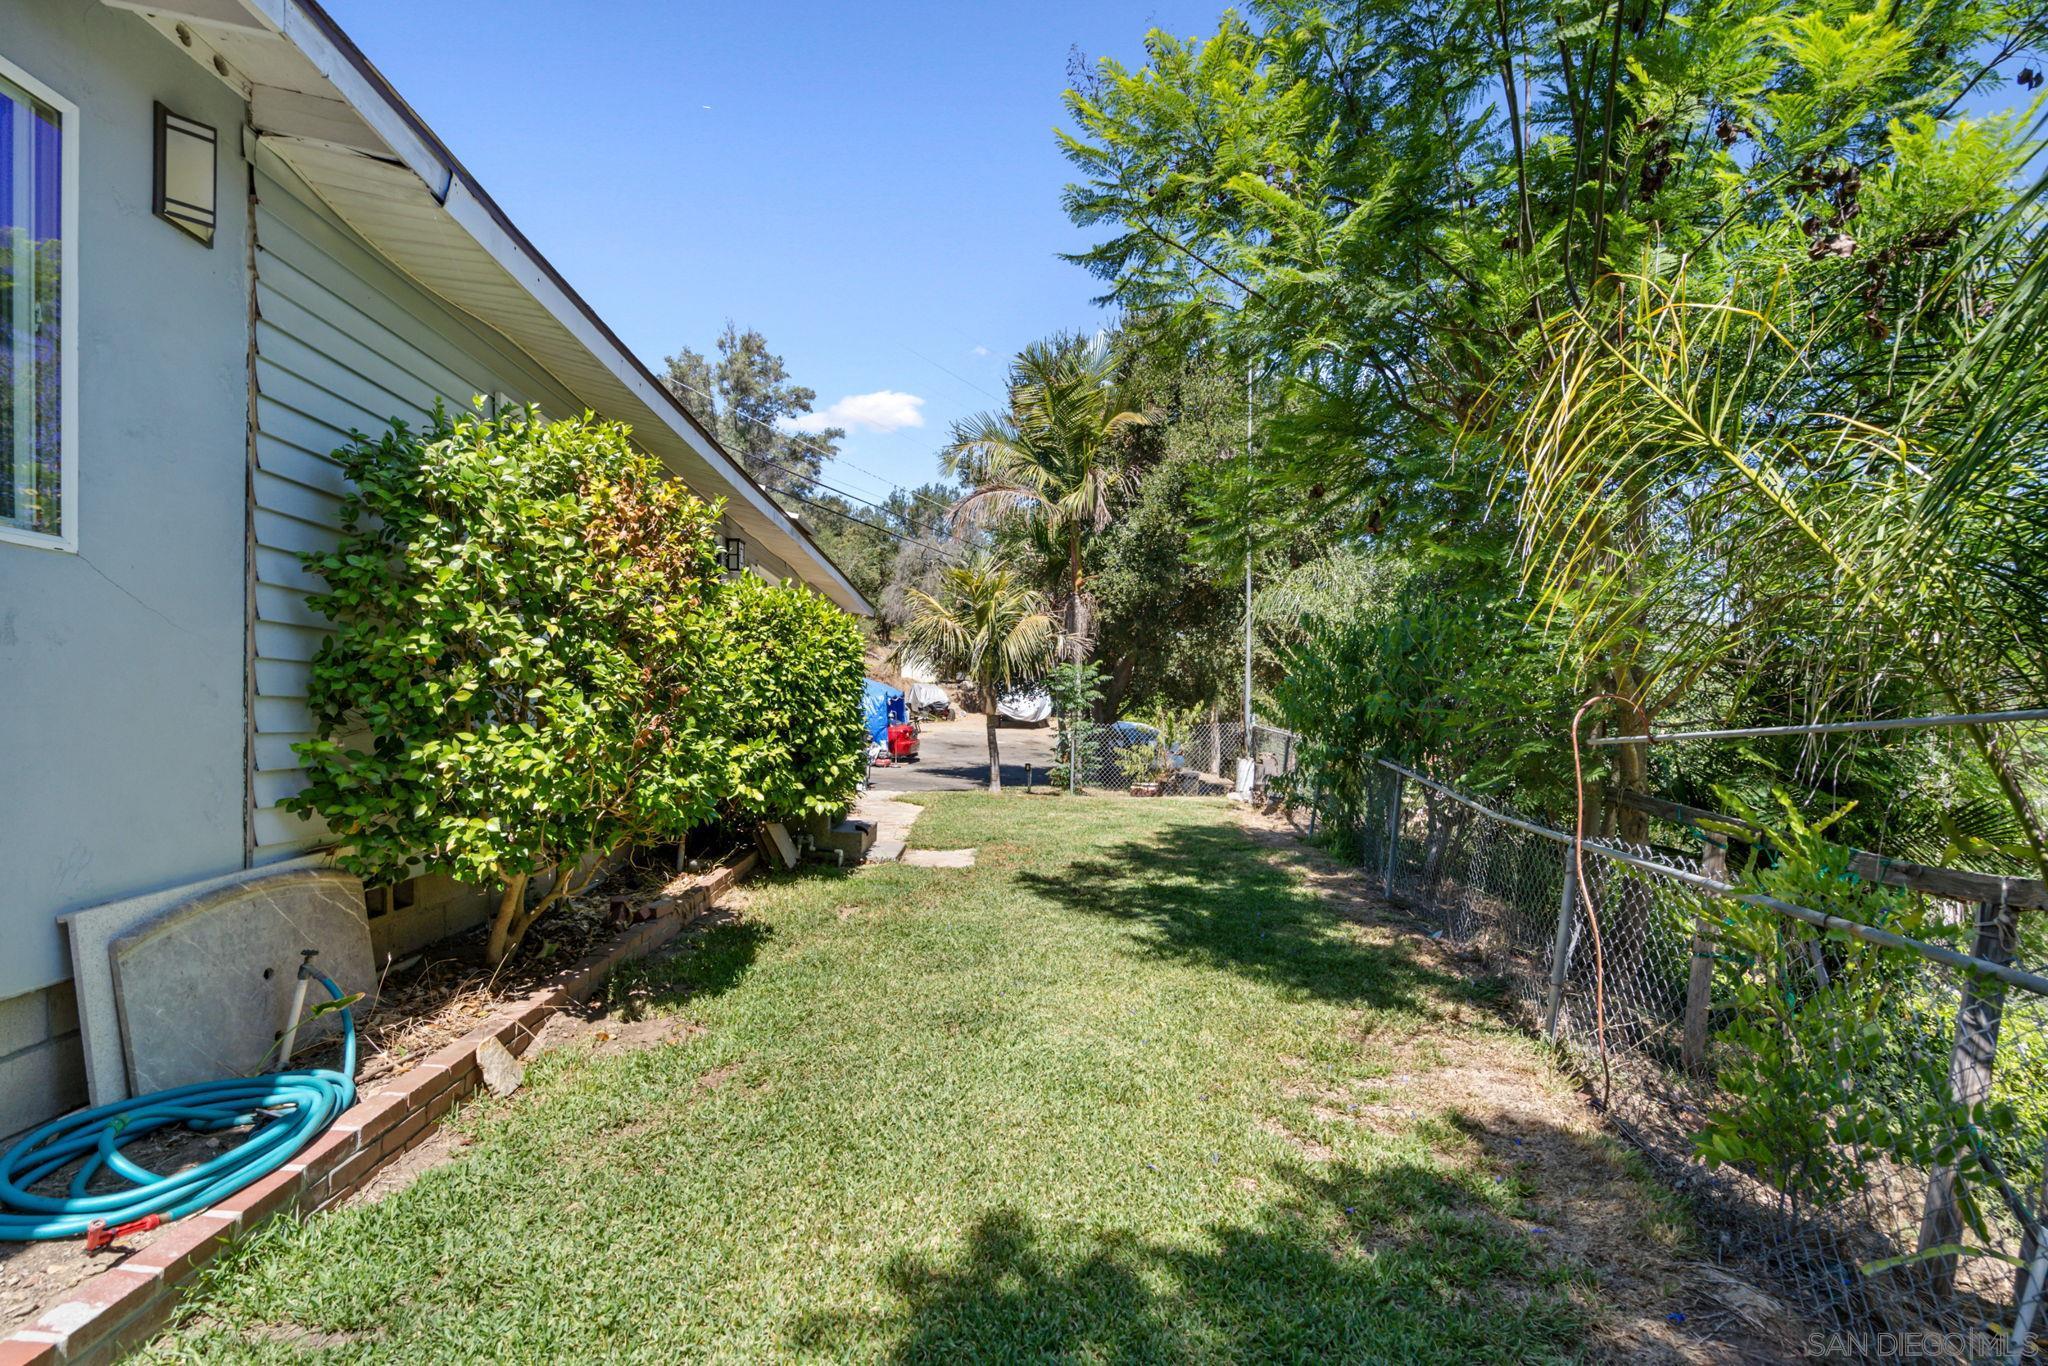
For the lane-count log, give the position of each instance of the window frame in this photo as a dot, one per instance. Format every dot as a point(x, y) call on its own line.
point(65, 538)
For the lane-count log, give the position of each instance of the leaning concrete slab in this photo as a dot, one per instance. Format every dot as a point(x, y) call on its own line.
point(785, 847)
point(111, 1315)
point(92, 930)
point(204, 986)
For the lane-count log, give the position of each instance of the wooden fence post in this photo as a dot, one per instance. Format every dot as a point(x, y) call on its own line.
point(1969, 1078)
point(1561, 948)
point(1393, 836)
point(1699, 986)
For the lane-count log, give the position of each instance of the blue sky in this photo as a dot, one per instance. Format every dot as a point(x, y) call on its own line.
point(874, 187)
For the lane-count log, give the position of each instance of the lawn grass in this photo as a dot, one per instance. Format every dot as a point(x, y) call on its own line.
point(1054, 1104)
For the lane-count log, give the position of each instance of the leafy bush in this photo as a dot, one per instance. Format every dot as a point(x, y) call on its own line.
point(1436, 670)
point(790, 670)
point(535, 663)
point(1828, 1063)
point(1076, 692)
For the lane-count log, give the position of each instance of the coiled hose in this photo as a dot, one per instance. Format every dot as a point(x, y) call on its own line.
point(288, 1109)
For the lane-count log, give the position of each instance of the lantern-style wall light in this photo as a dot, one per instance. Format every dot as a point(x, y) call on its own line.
point(735, 556)
point(187, 174)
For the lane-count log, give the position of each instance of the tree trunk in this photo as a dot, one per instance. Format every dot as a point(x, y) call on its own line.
point(995, 758)
point(511, 906)
point(1077, 604)
point(515, 917)
point(1631, 762)
point(1115, 690)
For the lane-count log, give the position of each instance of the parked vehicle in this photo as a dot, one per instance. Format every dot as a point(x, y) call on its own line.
point(929, 699)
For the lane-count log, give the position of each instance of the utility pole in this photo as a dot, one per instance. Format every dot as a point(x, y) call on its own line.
point(1249, 494)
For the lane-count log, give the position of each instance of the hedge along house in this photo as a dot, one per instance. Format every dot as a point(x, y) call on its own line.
point(225, 243)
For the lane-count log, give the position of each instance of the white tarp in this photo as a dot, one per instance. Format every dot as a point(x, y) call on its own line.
point(926, 695)
point(913, 670)
point(1027, 704)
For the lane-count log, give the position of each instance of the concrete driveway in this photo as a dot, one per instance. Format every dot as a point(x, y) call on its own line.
point(955, 757)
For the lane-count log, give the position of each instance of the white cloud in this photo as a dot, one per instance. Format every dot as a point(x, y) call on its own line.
point(979, 351)
point(885, 410)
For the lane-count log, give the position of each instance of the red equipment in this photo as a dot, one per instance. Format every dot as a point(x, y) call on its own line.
point(903, 740)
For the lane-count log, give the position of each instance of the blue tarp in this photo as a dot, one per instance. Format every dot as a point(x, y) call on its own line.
point(881, 704)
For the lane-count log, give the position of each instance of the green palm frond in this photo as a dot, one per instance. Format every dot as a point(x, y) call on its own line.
point(1694, 482)
point(1054, 457)
point(983, 623)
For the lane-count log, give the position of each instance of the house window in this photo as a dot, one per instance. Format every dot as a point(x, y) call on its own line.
point(37, 188)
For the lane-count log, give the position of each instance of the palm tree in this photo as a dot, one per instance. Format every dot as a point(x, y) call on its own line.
point(1799, 509)
point(983, 624)
point(1052, 457)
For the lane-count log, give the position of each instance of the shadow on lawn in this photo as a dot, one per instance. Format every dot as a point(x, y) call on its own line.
point(1395, 1264)
point(1203, 895)
point(709, 963)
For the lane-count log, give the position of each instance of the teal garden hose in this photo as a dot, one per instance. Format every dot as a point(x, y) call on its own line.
point(288, 1109)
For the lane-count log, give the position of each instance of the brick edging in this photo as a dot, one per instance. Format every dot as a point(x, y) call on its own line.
point(125, 1305)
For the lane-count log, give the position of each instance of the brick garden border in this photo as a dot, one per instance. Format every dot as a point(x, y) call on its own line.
point(124, 1306)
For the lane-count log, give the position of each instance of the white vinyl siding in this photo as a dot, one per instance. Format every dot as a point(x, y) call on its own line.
point(343, 342)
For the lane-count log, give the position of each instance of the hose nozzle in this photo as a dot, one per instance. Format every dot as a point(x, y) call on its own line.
point(98, 1235)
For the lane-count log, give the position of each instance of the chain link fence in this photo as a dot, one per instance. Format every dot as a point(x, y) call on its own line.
point(1882, 1148)
point(1858, 1117)
point(1200, 760)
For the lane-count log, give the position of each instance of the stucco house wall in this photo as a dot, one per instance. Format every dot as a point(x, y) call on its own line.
point(121, 665)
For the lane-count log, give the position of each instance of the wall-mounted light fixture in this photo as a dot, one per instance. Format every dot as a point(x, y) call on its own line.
point(735, 556)
point(187, 174)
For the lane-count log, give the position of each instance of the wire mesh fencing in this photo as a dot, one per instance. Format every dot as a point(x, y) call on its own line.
point(1199, 760)
point(1858, 1121)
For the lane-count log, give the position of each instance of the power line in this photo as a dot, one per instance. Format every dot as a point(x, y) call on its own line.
point(815, 480)
point(954, 373)
point(822, 453)
point(810, 478)
point(939, 550)
point(872, 526)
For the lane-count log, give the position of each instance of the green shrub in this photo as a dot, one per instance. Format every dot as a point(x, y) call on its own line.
point(517, 681)
point(790, 678)
point(1831, 1056)
point(1451, 685)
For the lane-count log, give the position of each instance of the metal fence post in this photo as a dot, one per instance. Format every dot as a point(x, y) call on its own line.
point(1393, 835)
point(1969, 1077)
point(2027, 1280)
point(1561, 947)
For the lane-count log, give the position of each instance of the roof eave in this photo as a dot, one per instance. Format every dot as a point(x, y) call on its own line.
point(406, 138)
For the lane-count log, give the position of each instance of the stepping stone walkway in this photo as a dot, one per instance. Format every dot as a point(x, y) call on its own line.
point(892, 818)
point(939, 858)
